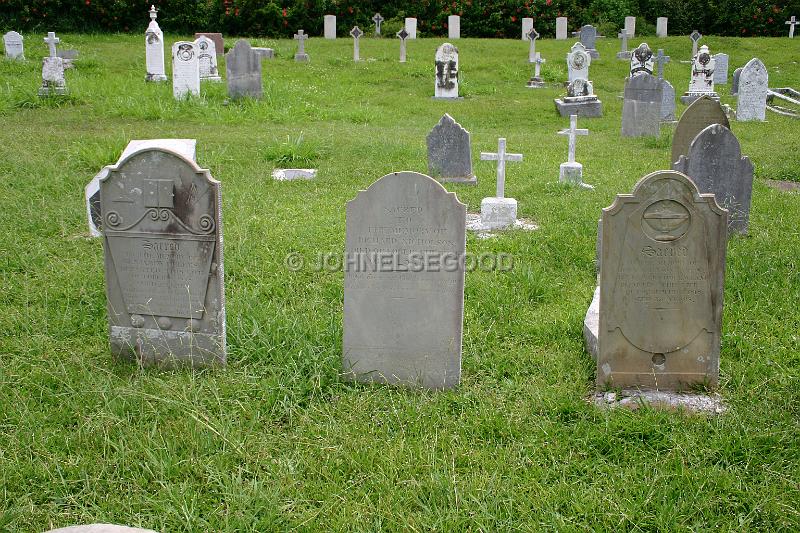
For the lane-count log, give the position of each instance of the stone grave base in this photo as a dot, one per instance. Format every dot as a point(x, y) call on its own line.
point(572, 174)
point(52, 91)
point(147, 347)
point(264, 53)
point(447, 97)
point(623, 56)
point(475, 223)
point(155, 77)
point(215, 79)
point(535, 83)
point(593, 53)
point(467, 181)
point(290, 174)
point(584, 108)
point(498, 213)
point(688, 98)
point(301, 58)
point(785, 186)
point(673, 401)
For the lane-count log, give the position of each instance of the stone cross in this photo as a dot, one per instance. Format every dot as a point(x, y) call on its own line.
point(792, 23)
point(52, 41)
point(695, 36)
point(532, 36)
point(377, 19)
point(537, 65)
point(300, 37)
point(356, 33)
point(403, 35)
point(624, 36)
point(501, 157)
point(153, 12)
point(661, 59)
point(573, 133)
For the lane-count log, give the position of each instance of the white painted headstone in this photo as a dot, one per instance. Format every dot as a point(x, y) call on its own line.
point(721, 69)
point(402, 35)
point(301, 56)
point(561, 28)
point(499, 212)
point(702, 80)
point(185, 70)
point(453, 27)
point(630, 26)
point(207, 59)
point(527, 25)
point(14, 48)
point(751, 97)
point(356, 34)
point(578, 62)
point(330, 26)
point(571, 172)
point(661, 27)
point(154, 49)
point(411, 27)
point(446, 85)
point(53, 81)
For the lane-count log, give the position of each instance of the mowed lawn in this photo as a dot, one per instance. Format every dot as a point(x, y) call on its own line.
point(276, 441)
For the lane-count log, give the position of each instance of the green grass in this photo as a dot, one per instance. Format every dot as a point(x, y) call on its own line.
point(276, 441)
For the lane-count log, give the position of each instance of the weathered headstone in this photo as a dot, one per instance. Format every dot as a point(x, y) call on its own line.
point(53, 81)
point(667, 102)
point(154, 49)
point(630, 26)
point(536, 82)
point(561, 29)
point(454, 27)
point(623, 52)
point(329, 26)
point(661, 285)
point(404, 283)
point(185, 70)
point(527, 25)
point(661, 60)
point(450, 152)
point(641, 109)
point(702, 80)
point(578, 62)
point(661, 27)
point(735, 82)
point(721, 69)
point(94, 214)
point(219, 41)
point(446, 85)
point(207, 59)
point(580, 99)
point(402, 35)
point(792, 22)
point(588, 37)
point(751, 96)
point(243, 69)
point(377, 19)
point(571, 172)
point(642, 61)
point(263, 53)
point(69, 56)
point(162, 232)
point(100, 528)
point(532, 36)
point(499, 212)
point(702, 113)
point(356, 34)
point(411, 27)
point(14, 48)
point(716, 165)
point(301, 56)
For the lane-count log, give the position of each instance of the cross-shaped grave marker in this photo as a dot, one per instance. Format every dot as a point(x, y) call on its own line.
point(537, 65)
point(377, 19)
point(695, 36)
point(792, 22)
point(532, 35)
point(356, 33)
point(623, 51)
point(501, 157)
point(403, 35)
point(573, 133)
point(661, 60)
point(572, 172)
point(300, 37)
point(52, 41)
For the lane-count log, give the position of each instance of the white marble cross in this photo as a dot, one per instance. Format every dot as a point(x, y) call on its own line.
point(300, 37)
point(153, 12)
point(695, 36)
point(501, 157)
point(356, 33)
point(52, 41)
point(792, 23)
point(573, 133)
point(538, 62)
point(377, 19)
point(624, 36)
point(532, 36)
point(403, 35)
point(661, 59)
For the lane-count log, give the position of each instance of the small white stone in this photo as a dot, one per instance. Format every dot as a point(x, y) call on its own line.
point(498, 213)
point(289, 174)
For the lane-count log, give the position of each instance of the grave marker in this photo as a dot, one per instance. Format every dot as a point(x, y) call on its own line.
point(301, 55)
point(53, 81)
point(377, 19)
point(453, 27)
point(571, 172)
point(450, 152)
point(411, 27)
point(561, 28)
point(641, 108)
point(499, 212)
point(219, 42)
point(329, 23)
point(185, 70)
point(207, 59)
point(661, 27)
point(356, 34)
point(721, 69)
point(532, 35)
point(623, 52)
point(13, 45)
point(402, 35)
point(702, 80)
point(700, 114)
point(154, 50)
point(752, 89)
point(243, 69)
point(792, 22)
point(446, 64)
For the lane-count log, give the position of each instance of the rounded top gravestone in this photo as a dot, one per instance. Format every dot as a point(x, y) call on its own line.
point(700, 114)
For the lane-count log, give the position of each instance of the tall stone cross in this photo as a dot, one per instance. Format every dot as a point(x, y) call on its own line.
point(661, 59)
point(501, 157)
point(356, 33)
point(792, 23)
point(377, 19)
point(538, 65)
point(52, 41)
point(695, 36)
point(573, 133)
point(532, 35)
point(624, 36)
point(403, 35)
point(153, 12)
point(300, 37)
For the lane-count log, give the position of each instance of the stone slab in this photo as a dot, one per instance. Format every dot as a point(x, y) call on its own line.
point(219, 41)
point(411, 27)
point(699, 115)
point(661, 27)
point(291, 174)
point(243, 71)
point(721, 69)
point(185, 70)
point(498, 213)
point(263, 53)
point(453, 27)
point(527, 25)
point(709, 404)
point(588, 109)
point(450, 152)
point(561, 28)
point(13, 44)
point(667, 102)
point(446, 71)
point(751, 97)
point(641, 108)
point(329, 26)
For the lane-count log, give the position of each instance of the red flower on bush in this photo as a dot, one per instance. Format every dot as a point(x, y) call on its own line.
point(548, 2)
point(284, 12)
point(513, 19)
point(350, 9)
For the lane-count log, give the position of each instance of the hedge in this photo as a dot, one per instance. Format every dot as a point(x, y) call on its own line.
point(479, 18)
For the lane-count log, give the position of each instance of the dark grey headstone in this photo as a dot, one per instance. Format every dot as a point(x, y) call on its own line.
point(700, 114)
point(404, 283)
point(735, 83)
point(243, 68)
point(70, 54)
point(668, 101)
point(716, 165)
point(450, 152)
point(751, 101)
point(641, 109)
point(162, 236)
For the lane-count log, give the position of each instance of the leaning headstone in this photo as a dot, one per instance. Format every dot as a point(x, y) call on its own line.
point(411, 27)
point(588, 38)
point(527, 25)
point(219, 42)
point(329, 26)
point(154, 49)
point(450, 152)
point(100, 528)
point(12, 43)
point(243, 69)
point(499, 212)
point(580, 99)
point(571, 172)
point(702, 80)
point(702, 113)
point(561, 28)
point(751, 96)
point(716, 165)
point(162, 231)
point(207, 59)
point(642, 61)
point(661, 27)
point(446, 64)
point(53, 81)
point(623, 52)
point(377, 19)
point(301, 56)
point(356, 34)
point(404, 283)
point(185, 70)
point(661, 285)
point(453, 27)
point(641, 109)
point(735, 82)
point(630, 26)
point(94, 214)
point(721, 69)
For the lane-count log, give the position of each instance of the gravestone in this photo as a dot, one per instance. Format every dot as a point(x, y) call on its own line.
point(571, 172)
point(263, 53)
point(641, 109)
point(154, 50)
point(100, 528)
point(661, 285)
point(402, 35)
point(532, 36)
point(721, 69)
point(219, 42)
point(702, 113)
point(630, 26)
point(356, 34)
point(735, 82)
point(243, 69)
point(536, 82)
point(404, 283)
point(661, 60)
point(561, 28)
point(185, 70)
point(411, 27)
point(667, 102)
point(454, 27)
point(499, 212)
point(207, 59)
point(301, 56)
point(751, 99)
point(53, 81)
point(588, 38)
point(329, 26)
point(702, 81)
point(162, 234)
point(14, 48)
point(642, 61)
point(580, 99)
point(450, 152)
point(94, 214)
point(792, 22)
point(661, 27)
point(623, 52)
point(377, 19)
point(695, 37)
point(446, 85)
point(578, 61)
point(527, 26)
point(716, 165)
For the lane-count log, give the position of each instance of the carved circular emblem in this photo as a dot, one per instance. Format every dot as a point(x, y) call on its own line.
point(643, 53)
point(666, 220)
point(704, 58)
point(579, 60)
point(203, 45)
point(185, 52)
